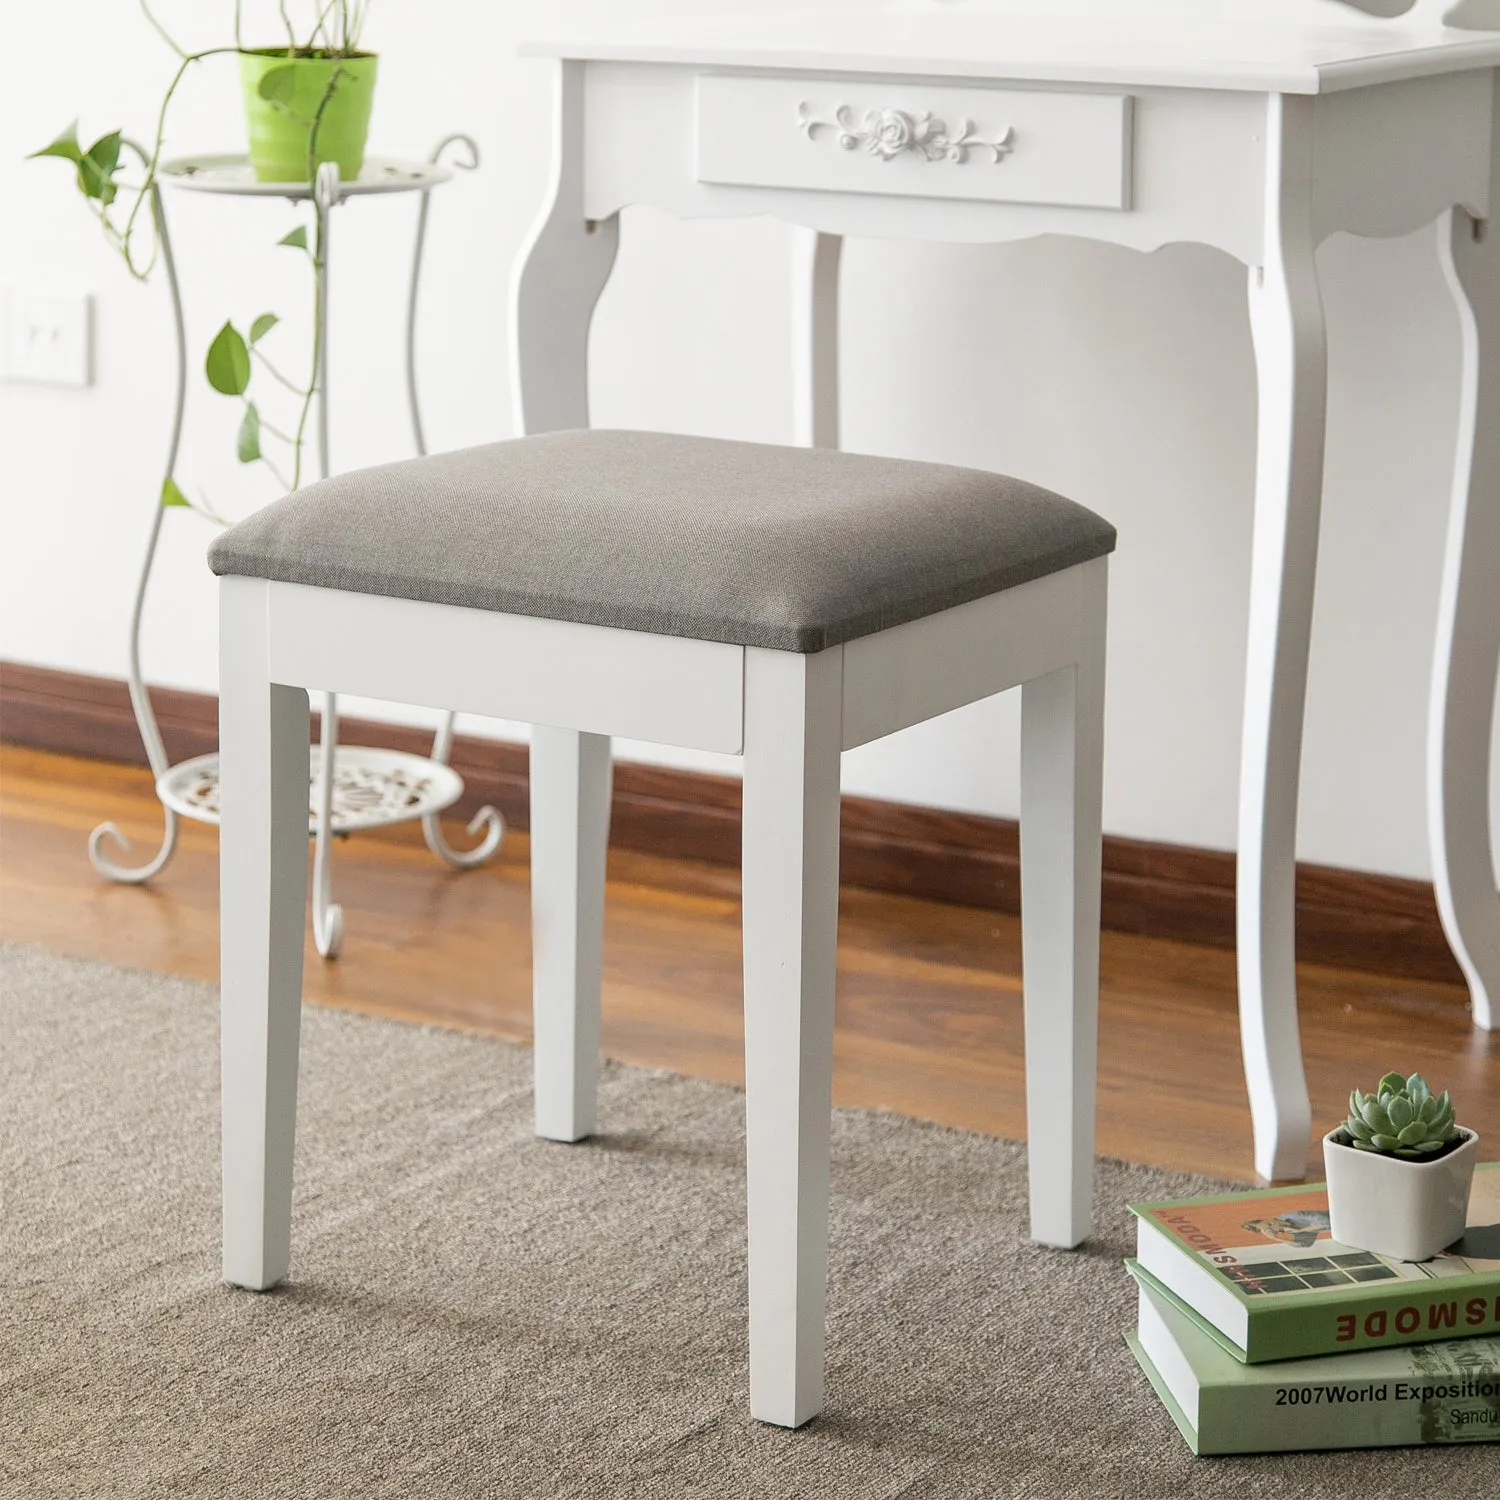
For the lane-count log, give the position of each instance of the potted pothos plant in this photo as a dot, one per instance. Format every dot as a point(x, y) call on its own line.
point(1399, 1169)
point(307, 101)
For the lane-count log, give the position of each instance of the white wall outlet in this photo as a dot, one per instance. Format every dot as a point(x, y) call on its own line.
point(46, 335)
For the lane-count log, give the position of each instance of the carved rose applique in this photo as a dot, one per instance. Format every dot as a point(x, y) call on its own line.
point(890, 133)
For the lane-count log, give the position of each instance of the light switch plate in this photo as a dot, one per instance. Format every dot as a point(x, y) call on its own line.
point(46, 334)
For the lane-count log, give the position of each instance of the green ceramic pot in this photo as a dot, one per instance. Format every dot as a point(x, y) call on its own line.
point(303, 111)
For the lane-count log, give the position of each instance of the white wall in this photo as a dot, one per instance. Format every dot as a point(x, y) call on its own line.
point(1124, 381)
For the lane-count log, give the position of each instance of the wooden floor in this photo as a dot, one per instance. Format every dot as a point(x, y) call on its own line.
point(929, 1000)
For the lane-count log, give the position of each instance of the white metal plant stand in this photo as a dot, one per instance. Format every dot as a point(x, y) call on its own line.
point(351, 788)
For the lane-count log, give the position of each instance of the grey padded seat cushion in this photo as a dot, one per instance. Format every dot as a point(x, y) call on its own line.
point(788, 548)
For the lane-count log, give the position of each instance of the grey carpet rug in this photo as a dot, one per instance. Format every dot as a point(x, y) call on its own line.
point(474, 1313)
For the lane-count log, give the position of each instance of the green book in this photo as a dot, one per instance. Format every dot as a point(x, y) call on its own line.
point(1383, 1398)
point(1262, 1269)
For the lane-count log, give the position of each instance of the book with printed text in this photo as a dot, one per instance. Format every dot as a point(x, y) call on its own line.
point(1263, 1269)
point(1413, 1394)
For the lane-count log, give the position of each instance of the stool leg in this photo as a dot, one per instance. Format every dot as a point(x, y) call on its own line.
point(263, 750)
point(1062, 736)
point(570, 792)
point(793, 725)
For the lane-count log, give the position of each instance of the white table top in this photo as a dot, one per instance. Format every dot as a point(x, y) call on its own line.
point(1213, 44)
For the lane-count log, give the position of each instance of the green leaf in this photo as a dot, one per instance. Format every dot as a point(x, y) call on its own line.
point(228, 363)
point(248, 443)
point(65, 146)
point(278, 85)
point(1392, 1083)
point(171, 495)
point(262, 326)
point(96, 168)
point(296, 238)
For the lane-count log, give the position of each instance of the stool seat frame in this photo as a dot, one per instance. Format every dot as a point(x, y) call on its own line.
point(790, 716)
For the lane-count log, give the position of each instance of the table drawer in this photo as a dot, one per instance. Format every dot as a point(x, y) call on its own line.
point(853, 136)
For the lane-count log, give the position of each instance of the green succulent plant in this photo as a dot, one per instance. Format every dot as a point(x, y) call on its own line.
point(1403, 1117)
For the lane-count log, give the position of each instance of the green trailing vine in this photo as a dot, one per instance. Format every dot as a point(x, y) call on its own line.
point(230, 366)
point(332, 34)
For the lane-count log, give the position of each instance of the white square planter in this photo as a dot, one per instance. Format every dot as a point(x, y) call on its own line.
point(1398, 1207)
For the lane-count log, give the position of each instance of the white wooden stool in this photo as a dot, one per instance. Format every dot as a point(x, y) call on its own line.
point(782, 604)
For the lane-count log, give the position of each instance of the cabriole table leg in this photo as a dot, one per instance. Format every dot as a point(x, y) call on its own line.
point(1286, 316)
point(1468, 635)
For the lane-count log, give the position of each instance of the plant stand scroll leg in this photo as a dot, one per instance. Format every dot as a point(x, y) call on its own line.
point(1286, 318)
point(487, 818)
point(1460, 720)
point(140, 698)
point(328, 916)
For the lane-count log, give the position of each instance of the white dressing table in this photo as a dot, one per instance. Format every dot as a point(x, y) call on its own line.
point(1260, 127)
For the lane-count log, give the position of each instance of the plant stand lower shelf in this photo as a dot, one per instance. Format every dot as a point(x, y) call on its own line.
point(369, 788)
point(372, 788)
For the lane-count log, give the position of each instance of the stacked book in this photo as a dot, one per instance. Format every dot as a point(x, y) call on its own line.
point(1261, 1334)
